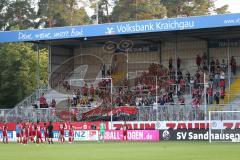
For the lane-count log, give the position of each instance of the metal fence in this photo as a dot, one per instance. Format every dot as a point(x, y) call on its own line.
point(21, 114)
point(144, 113)
point(181, 112)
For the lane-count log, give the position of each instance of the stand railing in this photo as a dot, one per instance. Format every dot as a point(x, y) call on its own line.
point(144, 113)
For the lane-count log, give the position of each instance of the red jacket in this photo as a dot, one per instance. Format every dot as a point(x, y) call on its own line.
point(42, 100)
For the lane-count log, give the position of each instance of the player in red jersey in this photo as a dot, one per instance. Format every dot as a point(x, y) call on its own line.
point(22, 131)
point(61, 133)
point(38, 134)
point(30, 128)
point(28, 125)
point(25, 134)
point(71, 134)
point(33, 133)
point(45, 132)
point(5, 134)
point(125, 128)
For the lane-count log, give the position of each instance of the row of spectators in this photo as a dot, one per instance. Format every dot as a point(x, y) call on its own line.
point(203, 62)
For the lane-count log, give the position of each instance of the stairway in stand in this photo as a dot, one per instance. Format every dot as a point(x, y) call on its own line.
point(118, 78)
point(234, 91)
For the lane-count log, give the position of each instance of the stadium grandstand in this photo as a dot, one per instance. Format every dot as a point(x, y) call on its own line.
point(175, 69)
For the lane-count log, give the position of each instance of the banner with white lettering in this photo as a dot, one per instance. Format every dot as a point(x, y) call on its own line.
point(163, 125)
point(132, 135)
point(199, 134)
point(146, 26)
point(79, 135)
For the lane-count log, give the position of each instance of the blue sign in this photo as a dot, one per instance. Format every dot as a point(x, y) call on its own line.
point(9, 134)
point(159, 25)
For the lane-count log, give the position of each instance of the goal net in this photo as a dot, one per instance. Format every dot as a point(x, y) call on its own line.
point(224, 126)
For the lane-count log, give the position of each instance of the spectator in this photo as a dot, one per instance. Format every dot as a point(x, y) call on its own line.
point(178, 63)
point(53, 103)
point(210, 95)
point(212, 66)
point(222, 80)
point(222, 94)
point(85, 89)
point(161, 102)
point(170, 66)
point(223, 66)
point(192, 81)
point(205, 67)
point(222, 84)
point(222, 75)
point(204, 58)
point(181, 100)
point(66, 85)
point(233, 65)
point(109, 72)
point(43, 102)
point(216, 80)
point(198, 61)
point(78, 92)
point(217, 97)
point(188, 76)
point(196, 102)
point(91, 90)
point(74, 98)
point(217, 64)
point(68, 102)
point(103, 70)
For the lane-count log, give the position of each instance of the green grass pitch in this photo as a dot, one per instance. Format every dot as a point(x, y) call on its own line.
point(118, 150)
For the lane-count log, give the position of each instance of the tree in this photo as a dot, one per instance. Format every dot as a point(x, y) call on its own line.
point(18, 61)
point(18, 14)
point(18, 70)
point(138, 10)
point(222, 10)
point(3, 4)
point(182, 8)
point(102, 9)
point(43, 67)
point(73, 14)
point(56, 13)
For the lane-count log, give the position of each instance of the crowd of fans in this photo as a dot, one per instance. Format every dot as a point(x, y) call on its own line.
point(156, 85)
point(159, 84)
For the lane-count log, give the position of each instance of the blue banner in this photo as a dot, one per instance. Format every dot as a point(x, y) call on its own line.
point(160, 25)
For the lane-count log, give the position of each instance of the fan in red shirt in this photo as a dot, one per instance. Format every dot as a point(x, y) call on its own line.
point(61, 134)
point(125, 128)
point(43, 102)
point(222, 93)
point(91, 90)
point(196, 102)
point(71, 134)
point(5, 135)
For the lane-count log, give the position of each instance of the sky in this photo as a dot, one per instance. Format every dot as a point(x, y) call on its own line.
point(234, 5)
